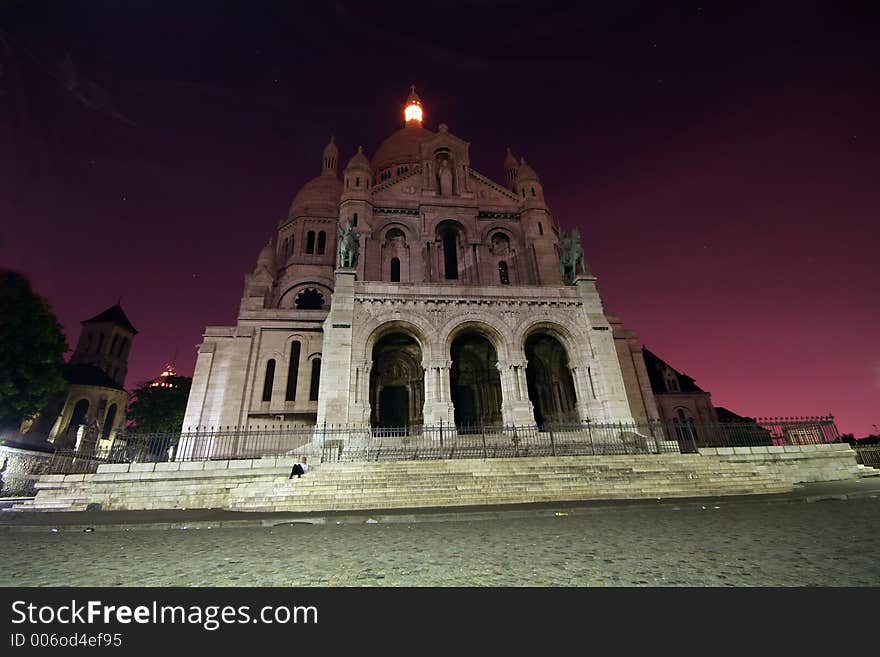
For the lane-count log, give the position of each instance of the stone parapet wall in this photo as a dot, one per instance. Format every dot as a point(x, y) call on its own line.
point(20, 469)
point(794, 463)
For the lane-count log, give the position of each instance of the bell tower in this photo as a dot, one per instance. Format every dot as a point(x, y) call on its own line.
point(105, 342)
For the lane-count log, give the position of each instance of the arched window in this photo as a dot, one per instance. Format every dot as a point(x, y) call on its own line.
point(354, 220)
point(322, 242)
point(395, 270)
point(310, 242)
point(524, 193)
point(500, 243)
point(100, 342)
point(123, 343)
point(357, 181)
point(293, 371)
point(316, 380)
point(533, 191)
point(292, 238)
point(269, 380)
point(450, 254)
point(108, 422)
point(540, 229)
point(77, 418)
point(502, 273)
point(89, 337)
point(309, 299)
point(113, 343)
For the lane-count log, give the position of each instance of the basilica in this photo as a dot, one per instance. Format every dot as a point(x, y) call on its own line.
point(408, 289)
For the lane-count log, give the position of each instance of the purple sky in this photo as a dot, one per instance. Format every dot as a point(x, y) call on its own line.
point(723, 165)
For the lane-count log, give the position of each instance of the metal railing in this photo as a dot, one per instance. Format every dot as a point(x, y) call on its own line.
point(867, 455)
point(359, 443)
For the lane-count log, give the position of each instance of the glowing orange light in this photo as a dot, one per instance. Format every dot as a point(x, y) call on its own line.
point(413, 112)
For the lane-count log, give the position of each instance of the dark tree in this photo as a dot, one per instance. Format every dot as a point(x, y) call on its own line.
point(159, 408)
point(32, 348)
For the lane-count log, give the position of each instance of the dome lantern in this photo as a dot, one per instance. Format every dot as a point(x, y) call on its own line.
point(412, 111)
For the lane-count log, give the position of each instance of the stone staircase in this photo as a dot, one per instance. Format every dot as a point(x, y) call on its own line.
point(263, 484)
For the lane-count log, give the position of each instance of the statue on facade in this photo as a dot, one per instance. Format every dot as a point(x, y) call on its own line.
point(571, 259)
point(445, 175)
point(349, 245)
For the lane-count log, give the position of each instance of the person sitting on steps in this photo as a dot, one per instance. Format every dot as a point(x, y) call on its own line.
point(299, 469)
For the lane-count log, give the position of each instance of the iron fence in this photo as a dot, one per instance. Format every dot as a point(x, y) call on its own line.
point(350, 443)
point(868, 455)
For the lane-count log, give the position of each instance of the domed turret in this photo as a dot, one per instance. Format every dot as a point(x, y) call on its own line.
point(528, 185)
point(357, 175)
point(526, 172)
point(359, 160)
point(320, 196)
point(511, 166)
point(330, 158)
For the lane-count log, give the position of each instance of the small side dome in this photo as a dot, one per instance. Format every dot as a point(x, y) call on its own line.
point(267, 257)
point(359, 160)
point(319, 196)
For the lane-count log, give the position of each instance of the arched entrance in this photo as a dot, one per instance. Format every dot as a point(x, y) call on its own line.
point(396, 382)
point(475, 382)
point(77, 418)
point(550, 386)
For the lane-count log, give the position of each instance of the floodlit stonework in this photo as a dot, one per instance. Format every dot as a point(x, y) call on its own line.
point(455, 308)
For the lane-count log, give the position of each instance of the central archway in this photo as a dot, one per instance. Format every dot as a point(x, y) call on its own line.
point(396, 382)
point(475, 382)
point(549, 380)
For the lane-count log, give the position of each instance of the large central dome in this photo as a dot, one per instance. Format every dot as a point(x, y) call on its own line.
point(402, 147)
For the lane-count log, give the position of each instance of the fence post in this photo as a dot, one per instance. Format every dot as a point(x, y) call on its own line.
point(515, 442)
point(552, 441)
point(483, 437)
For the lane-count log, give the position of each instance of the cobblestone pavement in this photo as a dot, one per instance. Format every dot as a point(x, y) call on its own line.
point(829, 543)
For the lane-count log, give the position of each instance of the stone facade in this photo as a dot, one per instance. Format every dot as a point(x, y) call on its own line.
point(454, 311)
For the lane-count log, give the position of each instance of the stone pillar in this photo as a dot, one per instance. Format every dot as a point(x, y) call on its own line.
point(516, 408)
point(438, 402)
point(588, 405)
point(359, 408)
point(336, 372)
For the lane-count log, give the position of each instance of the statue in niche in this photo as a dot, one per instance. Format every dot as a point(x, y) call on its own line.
point(349, 246)
point(571, 259)
point(445, 176)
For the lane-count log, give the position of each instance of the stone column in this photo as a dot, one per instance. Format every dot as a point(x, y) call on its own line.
point(438, 403)
point(516, 408)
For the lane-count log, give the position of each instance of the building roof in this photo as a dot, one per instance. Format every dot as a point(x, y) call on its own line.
point(656, 366)
point(113, 315)
point(89, 375)
point(402, 147)
point(726, 415)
